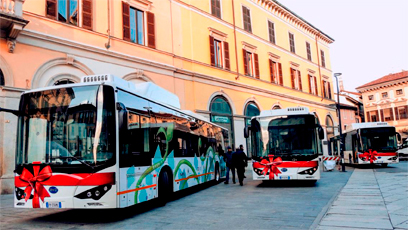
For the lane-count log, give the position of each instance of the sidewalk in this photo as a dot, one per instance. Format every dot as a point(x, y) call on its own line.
point(370, 200)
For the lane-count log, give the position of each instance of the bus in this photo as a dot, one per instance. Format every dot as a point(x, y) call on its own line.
point(287, 145)
point(371, 143)
point(108, 143)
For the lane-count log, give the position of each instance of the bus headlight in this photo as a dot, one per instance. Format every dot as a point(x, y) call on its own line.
point(309, 171)
point(94, 193)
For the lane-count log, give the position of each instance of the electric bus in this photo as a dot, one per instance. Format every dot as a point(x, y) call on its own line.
point(108, 143)
point(286, 143)
point(371, 143)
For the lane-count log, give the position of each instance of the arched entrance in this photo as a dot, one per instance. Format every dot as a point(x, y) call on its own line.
point(1, 78)
point(221, 114)
point(332, 147)
point(251, 110)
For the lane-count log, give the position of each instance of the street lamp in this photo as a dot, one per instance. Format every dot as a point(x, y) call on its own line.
point(343, 168)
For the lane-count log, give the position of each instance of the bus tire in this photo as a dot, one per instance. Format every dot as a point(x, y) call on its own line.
point(384, 165)
point(164, 188)
point(217, 173)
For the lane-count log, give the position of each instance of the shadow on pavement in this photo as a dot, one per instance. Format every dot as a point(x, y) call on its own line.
point(287, 183)
point(85, 216)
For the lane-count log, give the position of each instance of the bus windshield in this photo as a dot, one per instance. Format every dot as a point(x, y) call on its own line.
point(287, 137)
point(378, 139)
point(67, 126)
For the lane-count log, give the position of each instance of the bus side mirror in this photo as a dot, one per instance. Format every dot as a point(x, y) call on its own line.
point(398, 137)
point(321, 133)
point(122, 116)
point(246, 131)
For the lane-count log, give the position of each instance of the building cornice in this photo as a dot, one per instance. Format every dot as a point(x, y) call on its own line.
point(402, 81)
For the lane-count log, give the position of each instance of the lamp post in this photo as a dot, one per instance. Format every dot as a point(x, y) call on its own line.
point(343, 168)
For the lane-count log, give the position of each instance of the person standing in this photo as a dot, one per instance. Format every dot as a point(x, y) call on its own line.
point(239, 160)
point(230, 165)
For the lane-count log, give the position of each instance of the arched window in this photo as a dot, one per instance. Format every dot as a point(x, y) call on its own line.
point(251, 110)
point(1, 78)
point(64, 81)
point(221, 114)
point(276, 107)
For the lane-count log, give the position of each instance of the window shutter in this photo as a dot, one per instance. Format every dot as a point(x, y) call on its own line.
point(126, 21)
point(329, 90)
point(51, 9)
point(245, 62)
point(316, 91)
point(226, 54)
point(300, 80)
point(87, 14)
point(382, 114)
point(396, 114)
point(271, 69)
point(151, 35)
point(310, 83)
point(324, 89)
point(213, 12)
point(212, 51)
point(256, 66)
point(368, 117)
point(391, 114)
point(280, 74)
point(292, 76)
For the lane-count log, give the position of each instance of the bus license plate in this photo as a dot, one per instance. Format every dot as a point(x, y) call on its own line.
point(284, 177)
point(53, 204)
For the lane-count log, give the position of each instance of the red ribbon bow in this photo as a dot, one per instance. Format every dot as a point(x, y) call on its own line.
point(34, 182)
point(271, 166)
point(369, 156)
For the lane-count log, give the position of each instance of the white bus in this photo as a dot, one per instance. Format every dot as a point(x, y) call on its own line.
point(106, 143)
point(286, 145)
point(371, 143)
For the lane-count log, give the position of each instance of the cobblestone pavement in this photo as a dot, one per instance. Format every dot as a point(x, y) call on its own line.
point(373, 198)
point(256, 205)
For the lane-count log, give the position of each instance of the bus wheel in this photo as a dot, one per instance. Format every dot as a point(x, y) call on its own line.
point(217, 173)
point(164, 188)
point(384, 165)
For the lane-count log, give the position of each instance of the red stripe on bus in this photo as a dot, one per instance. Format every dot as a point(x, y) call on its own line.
point(136, 189)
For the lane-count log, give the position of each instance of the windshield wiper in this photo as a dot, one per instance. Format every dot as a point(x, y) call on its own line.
point(80, 160)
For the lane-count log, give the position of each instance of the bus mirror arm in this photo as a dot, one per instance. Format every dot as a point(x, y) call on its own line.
point(122, 116)
point(15, 112)
point(246, 131)
point(398, 136)
point(321, 133)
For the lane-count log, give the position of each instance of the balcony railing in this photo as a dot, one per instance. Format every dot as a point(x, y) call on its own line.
point(11, 21)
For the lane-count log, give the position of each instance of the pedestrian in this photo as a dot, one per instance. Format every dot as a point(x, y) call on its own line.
point(230, 165)
point(239, 160)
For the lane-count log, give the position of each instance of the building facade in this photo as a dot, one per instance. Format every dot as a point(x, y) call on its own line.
point(386, 100)
point(225, 60)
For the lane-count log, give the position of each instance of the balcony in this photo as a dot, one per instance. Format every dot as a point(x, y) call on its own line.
point(11, 21)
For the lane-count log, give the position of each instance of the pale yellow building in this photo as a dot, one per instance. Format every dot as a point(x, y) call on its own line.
point(226, 60)
point(386, 100)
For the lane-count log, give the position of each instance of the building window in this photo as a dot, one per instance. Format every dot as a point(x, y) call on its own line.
point(246, 13)
point(1, 78)
point(251, 65)
point(387, 115)
point(308, 51)
point(67, 11)
point(134, 26)
point(384, 95)
point(216, 8)
point(323, 59)
point(219, 53)
point(276, 72)
point(276, 107)
point(326, 89)
point(251, 110)
point(312, 84)
point(401, 112)
point(399, 91)
point(292, 43)
point(372, 116)
point(296, 79)
point(221, 114)
point(370, 97)
point(271, 30)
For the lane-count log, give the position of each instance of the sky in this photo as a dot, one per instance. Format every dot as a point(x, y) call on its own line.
point(371, 36)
